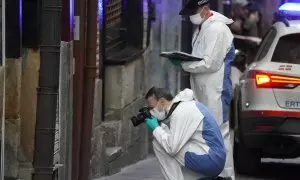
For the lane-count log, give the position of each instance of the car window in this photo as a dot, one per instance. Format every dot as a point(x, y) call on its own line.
point(288, 49)
point(266, 44)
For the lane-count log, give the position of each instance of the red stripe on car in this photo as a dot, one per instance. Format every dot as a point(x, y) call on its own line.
point(295, 114)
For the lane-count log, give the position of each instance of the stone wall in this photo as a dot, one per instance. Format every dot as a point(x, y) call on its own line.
point(12, 114)
point(165, 36)
point(116, 143)
point(29, 83)
point(21, 83)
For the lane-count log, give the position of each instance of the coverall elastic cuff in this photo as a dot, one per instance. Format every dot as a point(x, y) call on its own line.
point(158, 131)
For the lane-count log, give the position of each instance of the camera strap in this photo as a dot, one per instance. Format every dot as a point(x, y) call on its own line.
point(173, 107)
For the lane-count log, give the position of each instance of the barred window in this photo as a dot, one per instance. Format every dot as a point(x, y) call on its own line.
point(124, 29)
point(113, 23)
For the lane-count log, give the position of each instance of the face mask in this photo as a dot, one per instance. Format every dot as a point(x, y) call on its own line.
point(160, 115)
point(197, 19)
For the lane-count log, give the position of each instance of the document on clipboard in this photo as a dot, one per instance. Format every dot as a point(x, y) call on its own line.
point(179, 55)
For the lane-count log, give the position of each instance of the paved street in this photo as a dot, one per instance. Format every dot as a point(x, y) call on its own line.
point(270, 169)
point(149, 170)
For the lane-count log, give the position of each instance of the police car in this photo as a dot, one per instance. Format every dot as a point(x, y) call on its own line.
point(267, 98)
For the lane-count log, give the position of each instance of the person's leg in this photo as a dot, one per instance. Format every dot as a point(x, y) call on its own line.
point(226, 98)
point(229, 165)
point(170, 167)
point(173, 168)
point(187, 173)
point(220, 112)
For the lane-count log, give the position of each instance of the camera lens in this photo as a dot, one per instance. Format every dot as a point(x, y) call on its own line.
point(135, 121)
point(140, 118)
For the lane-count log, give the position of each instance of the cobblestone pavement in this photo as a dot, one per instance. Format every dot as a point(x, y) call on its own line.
point(271, 169)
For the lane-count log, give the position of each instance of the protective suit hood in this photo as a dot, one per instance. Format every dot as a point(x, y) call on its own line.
point(184, 96)
point(219, 18)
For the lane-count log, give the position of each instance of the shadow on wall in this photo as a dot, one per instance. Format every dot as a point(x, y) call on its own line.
point(165, 36)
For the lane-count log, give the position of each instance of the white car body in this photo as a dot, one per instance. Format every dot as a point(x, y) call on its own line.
point(272, 99)
point(267, 100)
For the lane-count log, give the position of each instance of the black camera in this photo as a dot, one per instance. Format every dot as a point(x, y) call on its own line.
point(144, 113)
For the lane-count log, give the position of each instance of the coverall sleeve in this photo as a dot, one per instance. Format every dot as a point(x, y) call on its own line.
point(182, 127)
point(214, 51)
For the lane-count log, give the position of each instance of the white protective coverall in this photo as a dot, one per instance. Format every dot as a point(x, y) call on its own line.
point(210, 78)
point(192, 147)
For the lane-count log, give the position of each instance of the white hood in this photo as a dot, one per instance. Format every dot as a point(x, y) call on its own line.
point(185, 95)
point(219, 17)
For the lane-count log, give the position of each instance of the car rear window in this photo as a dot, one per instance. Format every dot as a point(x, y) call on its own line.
point(288, 49)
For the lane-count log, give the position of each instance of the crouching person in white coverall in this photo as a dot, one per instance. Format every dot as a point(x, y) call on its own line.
point(210, 78)
point(188, 143)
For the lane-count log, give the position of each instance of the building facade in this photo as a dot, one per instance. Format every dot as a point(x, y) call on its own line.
point(146, 28)
point(127, 57)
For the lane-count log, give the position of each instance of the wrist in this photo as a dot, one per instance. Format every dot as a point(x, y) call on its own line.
point(153, 128)
point(157, 130)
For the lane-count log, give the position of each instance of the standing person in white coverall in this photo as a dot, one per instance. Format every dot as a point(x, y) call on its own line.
point(188, 143)
point(210, 78)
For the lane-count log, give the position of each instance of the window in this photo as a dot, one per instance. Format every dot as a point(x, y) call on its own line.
point(124, 30)
point(113, 23)
point(288, 49)
point(266, 44)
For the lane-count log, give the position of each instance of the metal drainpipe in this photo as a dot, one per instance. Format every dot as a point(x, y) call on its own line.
point(102, 50)
point(90, 69)
point(79, 55)
point(47, 91)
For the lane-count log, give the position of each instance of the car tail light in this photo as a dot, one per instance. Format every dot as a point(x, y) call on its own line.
point(262, 79)
point(267, 80)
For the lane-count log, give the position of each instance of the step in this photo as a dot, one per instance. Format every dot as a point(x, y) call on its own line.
point(113, 155)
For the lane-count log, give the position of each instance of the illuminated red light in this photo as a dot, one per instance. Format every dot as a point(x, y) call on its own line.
point(262, 79)
point(265, 80)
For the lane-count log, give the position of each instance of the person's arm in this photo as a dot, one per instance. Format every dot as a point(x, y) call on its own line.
point(182, 127)
point(248, 25)
point(214, 52)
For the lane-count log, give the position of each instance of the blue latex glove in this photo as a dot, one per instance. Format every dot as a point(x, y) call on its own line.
point(152, 123)
point(176, 62)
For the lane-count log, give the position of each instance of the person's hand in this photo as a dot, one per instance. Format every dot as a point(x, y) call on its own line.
point(152, 123)
point(176, 62)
